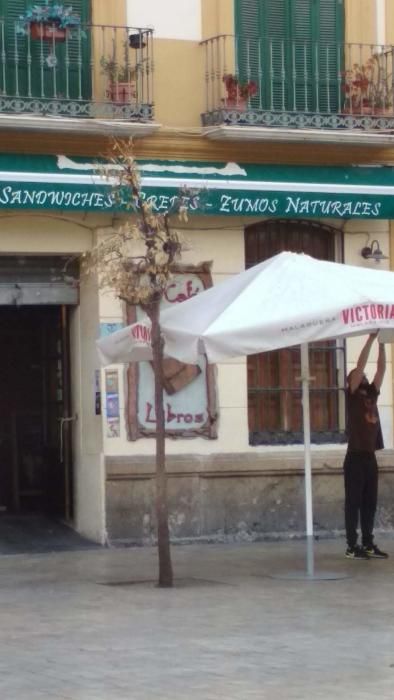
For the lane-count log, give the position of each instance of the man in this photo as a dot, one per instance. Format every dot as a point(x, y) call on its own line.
point(360, 466)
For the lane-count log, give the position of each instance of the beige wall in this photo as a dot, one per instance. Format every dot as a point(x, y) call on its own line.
point(180, 69)
point(109, 12)
point(179, 85)
point(43, 233)
point(360, 21)
point(179, 66)
point(217, 17)
point(89, 510)
point(389, 22)
point(225, 246)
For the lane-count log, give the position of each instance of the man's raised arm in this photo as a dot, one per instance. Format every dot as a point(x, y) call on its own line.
point(381, 367)
point(356, 376)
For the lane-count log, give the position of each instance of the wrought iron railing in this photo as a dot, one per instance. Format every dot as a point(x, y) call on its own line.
point(272, 82)
point(93, 71)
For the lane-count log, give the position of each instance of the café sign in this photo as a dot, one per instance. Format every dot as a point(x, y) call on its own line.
point(62, 183)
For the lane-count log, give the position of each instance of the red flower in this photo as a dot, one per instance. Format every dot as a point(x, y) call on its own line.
point(236, 89)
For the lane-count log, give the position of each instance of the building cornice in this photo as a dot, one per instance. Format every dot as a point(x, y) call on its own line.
point(31, 124)
point(197, 147)
point(194, 146)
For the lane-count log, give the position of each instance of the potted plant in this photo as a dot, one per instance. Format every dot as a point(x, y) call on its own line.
point(367, 87)
point(238, 93)
point(121, 87)
point(49, 22)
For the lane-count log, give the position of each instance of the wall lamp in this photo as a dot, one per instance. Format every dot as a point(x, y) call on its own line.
point(373, 252)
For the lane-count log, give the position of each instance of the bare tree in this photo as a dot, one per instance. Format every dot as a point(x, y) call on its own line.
point(135, 262)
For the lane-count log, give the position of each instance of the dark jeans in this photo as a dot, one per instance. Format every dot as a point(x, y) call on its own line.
point(361, 494)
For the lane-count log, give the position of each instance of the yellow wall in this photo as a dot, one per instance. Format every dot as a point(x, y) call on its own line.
point(179, 66)
point(89, 482)
point(43, 233)
point(109, 12)
point(217, 17)
point(179, 82)
point(360, 22)
point(389, 22)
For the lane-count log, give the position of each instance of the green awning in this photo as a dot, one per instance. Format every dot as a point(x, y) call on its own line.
point(72, 184)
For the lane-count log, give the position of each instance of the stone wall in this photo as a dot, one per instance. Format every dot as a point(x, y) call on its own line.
point(234, 497)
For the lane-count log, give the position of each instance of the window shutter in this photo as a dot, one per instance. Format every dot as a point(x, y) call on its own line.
point(23, 70)
point(317, 33)
point(330, 24)
point(261, 27)
point(248, 41)
point(303, 55)
point(276, 54)
point(14, 48)
point(78, 56)
point(295, 48)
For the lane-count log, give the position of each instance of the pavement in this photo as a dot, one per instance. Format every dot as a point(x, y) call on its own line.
point(92, 625)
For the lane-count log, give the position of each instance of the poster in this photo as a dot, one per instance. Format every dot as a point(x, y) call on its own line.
point(189, 390)
point(112, 404)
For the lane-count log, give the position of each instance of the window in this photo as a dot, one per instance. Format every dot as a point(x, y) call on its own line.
point(274, 389)
point(293, 49)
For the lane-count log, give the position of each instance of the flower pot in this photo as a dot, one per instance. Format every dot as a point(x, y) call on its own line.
point(121, 93)
point(239, 103)
point(384, 111)
point(47, 32)
point(358, 110)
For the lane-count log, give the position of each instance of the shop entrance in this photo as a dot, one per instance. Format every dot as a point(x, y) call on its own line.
point(35, 425)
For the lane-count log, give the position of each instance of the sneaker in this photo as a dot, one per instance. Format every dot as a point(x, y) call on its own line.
point(375, 553)
point(356, 552)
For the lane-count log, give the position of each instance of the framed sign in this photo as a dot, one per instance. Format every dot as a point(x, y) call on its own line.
point(189, 390)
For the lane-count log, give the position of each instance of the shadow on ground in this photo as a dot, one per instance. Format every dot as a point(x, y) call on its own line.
point(37, 534)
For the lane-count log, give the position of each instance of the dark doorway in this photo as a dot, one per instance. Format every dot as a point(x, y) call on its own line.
point(35, 454)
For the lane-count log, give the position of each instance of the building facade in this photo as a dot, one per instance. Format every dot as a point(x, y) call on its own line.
point(278, 114)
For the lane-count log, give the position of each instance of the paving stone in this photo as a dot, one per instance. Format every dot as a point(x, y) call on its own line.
point(228, 630)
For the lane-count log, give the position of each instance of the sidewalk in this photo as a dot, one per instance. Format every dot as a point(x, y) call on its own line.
point(227, 630)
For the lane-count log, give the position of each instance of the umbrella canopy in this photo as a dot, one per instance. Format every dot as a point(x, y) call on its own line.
point(287, 300)
point(130, 344)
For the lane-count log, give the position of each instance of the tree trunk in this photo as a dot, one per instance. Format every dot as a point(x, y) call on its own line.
point(163, 535)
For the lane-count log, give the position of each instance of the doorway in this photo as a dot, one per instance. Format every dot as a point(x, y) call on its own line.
point(35, 438)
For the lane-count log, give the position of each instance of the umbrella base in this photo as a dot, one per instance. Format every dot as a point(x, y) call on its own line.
point(310, 573)
point(304, 576)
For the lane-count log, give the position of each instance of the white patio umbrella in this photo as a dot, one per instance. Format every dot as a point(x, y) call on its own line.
point(290, 299)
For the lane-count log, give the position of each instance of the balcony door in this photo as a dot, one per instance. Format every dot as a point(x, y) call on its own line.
point(293, 49)
point(39, 69)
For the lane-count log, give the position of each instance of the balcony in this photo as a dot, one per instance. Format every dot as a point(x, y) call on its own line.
point(273, 89)
point(90, 78)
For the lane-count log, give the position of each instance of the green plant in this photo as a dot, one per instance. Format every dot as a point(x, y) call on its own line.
point(50, 13)
point(115, 70)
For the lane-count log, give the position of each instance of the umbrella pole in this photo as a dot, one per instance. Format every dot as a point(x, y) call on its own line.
point(310, 573)
point(306, 379)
